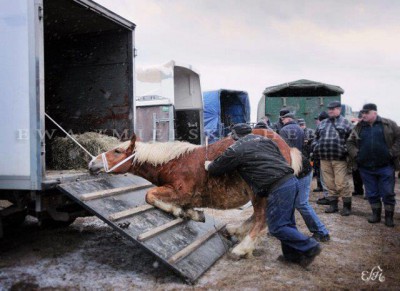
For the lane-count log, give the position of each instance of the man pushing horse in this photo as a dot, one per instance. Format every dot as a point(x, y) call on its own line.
point(260, 163)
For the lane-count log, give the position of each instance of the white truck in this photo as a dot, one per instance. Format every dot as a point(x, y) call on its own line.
point(71, 59)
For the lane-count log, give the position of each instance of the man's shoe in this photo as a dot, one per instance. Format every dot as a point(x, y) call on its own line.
point(323, 201)
point(318, 190)
point(333, 207)
point(346, 211)
point(321, 237)
point(308, 257)
point(357, 193)
point(389, 218)
point(376, 213)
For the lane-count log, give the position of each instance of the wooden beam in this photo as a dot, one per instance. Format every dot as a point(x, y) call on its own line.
point(129, 212)
point(111, 192)
point(159, 229)
point(194, 245)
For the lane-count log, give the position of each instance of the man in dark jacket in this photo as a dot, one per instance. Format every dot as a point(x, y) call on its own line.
point(329, 146)
point(374, 145)
point(291, 132)
point(294, 137)
point(278, 125)
point(261, 164)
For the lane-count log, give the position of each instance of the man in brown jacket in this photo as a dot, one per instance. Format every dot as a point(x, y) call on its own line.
point(374, 145)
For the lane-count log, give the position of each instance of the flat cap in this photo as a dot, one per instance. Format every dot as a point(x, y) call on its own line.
point(334, 104)
point(261, 124)
point(241, 128)
point(283, 111)
point(301, 121)
point(289, 115)
point(368, 107)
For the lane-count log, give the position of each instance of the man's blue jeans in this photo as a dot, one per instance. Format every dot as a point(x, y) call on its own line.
point(281, 221)
point(307, 212)
point(379, 183)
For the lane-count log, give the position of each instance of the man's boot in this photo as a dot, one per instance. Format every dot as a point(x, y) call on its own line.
point(389, 212)
point(333, 206)
point(376, 213)
point(346, 206)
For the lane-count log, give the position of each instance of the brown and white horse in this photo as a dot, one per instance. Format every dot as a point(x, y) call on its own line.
point(177, 168)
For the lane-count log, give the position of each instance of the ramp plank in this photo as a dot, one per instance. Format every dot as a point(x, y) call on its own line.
point(157, 230)
point(129, 212)
point(193, 246)
point(111, 192)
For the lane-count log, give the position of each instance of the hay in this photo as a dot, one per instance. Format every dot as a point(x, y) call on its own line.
point(67, 155)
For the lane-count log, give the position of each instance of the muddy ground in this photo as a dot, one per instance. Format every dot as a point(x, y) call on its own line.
point(88, 255)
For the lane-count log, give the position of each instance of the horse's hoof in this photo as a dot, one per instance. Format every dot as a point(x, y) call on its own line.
point(195, 215)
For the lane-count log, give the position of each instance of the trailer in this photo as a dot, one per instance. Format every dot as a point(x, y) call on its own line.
point(73, 61)
point(169, 103)
point(222, 108)
point(305, 98)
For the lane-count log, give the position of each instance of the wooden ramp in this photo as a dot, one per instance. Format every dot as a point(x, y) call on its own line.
point(189, 248)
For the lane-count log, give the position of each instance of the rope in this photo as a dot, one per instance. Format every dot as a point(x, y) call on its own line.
point(70, 136)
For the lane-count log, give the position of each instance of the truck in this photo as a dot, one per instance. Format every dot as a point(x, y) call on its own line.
point(305, 98)
point(73, 60)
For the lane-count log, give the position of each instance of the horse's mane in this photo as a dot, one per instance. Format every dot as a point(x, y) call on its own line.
point(159, 153)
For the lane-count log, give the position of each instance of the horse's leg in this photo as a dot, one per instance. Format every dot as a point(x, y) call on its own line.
point(167, 199)
point(241, 230)
point(246, 247)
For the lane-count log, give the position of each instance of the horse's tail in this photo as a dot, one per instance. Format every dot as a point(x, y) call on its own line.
point(296, 160)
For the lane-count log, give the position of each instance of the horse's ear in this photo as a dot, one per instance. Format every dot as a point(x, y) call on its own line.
point(132, 144)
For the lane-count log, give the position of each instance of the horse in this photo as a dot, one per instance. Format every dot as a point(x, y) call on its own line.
point(182, 184)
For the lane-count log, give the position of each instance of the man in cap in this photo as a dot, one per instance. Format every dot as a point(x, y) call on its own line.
point(278, 125)
point(330, 147)
point(261, 164)
point(375, 146)
point(291, 131)
point(261, 124)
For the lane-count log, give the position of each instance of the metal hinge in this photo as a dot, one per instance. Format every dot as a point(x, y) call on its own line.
point(40, 12)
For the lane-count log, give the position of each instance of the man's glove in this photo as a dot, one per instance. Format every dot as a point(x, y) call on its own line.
point(207, 164)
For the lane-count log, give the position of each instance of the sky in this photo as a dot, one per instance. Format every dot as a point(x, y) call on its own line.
point(254, 44)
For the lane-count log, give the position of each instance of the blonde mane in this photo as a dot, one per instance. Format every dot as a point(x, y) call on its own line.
point(159, 153)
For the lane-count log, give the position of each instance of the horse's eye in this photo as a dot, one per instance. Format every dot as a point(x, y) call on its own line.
point(118, 151)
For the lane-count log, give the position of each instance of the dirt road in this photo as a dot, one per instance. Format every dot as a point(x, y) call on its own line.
point(88, 255)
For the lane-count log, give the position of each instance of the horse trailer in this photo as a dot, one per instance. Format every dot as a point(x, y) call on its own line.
point(222, 108)
point(70, 59)
point(169, 103)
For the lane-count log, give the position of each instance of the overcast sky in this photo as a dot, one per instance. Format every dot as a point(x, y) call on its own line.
point(250, 45)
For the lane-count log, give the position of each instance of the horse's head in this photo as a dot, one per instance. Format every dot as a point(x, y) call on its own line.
point(117, 160)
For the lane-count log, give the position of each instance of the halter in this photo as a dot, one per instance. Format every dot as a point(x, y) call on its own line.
point(105, 162)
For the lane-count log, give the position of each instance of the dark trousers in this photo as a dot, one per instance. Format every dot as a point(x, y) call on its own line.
point(281, 221)
point(317, 172)
point(379, 184)
point(358, 183)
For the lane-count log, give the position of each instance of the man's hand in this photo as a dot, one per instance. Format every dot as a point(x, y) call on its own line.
point(207, 164)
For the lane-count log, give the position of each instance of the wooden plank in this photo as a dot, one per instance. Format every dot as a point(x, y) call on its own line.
point(129, 212)
point(149, 234)
point(111, 192)
point(194, 245)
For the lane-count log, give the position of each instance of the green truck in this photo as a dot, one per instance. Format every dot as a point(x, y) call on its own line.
point(305, 98)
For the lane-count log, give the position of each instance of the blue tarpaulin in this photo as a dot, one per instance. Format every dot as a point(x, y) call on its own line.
point(222, 108)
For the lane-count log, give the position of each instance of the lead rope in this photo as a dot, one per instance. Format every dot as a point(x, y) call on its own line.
point(70, 136)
